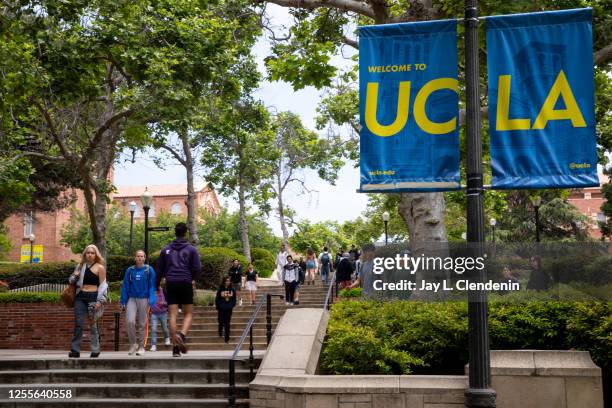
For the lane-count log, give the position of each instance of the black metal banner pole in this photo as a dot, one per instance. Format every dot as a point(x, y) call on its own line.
point(479, 394)
point(146, 231)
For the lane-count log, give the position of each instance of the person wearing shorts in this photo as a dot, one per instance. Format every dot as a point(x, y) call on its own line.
point(251, 283)
point(179, 264)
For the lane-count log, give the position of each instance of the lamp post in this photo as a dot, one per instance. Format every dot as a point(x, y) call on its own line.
point(386, 221)
point(537, 201)
point(479, 392)
point(32, 237)
point(493, 223)
point(147, 199)
point(132, 211)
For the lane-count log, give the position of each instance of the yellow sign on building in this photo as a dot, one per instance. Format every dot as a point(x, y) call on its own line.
point(37, 256)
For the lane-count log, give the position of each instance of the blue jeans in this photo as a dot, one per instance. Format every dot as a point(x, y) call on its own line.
point(324, 272)
point(81, 316)
point(163, 319)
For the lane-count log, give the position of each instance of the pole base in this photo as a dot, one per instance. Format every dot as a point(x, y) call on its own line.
point(480, 398)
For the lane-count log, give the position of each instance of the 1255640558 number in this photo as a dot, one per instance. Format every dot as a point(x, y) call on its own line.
point(38, 393)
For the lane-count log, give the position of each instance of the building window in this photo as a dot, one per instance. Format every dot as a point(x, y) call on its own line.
point(176, 209)
point(137, 212)
point(152, 210)
point(587, 196)
point(28, 224)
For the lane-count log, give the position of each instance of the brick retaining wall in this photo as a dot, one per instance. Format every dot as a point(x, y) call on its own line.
point(49, 326)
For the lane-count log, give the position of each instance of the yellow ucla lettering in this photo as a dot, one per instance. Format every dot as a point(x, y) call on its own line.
point(548, 112)
point(503, 122)
point(420, 115)
point(403, 102)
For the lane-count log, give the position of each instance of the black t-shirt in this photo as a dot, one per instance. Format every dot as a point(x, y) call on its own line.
point(235, 273)
point(251, 276)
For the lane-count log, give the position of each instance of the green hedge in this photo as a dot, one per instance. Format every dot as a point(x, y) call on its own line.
point(263, 261)
point(216, 262)
point(40, 297)
point(433, 337)
point(115, 268)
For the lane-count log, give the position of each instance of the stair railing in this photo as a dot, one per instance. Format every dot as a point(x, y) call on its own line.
point(329, 298)
point(248, 330)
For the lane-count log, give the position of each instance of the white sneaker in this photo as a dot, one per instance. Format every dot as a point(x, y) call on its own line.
point(240, 302)
point(133, 349)
point(287, 303)
point(140, 351)
point(153, 348)
point(167, 341)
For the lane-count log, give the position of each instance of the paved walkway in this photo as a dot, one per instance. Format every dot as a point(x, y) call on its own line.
point(11, 354)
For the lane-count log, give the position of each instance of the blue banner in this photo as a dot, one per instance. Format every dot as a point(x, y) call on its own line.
point(408, 94)
point(541, 100)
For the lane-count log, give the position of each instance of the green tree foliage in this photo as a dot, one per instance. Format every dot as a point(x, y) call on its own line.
point(299, 149)
point(315, 236)
point(239, 155)
point(323, 29)
point(86, 79)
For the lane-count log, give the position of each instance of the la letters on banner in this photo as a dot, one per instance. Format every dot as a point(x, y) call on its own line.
point(541, 100)
point(409, 113)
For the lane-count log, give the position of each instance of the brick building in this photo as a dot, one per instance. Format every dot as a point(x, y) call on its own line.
point(168, 198)
point(588, 201)
point(47, 227)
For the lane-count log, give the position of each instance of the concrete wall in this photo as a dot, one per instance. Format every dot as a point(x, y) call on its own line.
point(523, 379)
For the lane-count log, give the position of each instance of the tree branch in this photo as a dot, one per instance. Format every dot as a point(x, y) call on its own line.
point(175, 154)
point(351, 42)
point(60, 142)
point(344, 5)
point(93, 143)
point(603, 56)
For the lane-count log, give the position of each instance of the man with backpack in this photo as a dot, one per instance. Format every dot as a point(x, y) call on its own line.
point(137, 295)
point(179, 263)
point(324, 265)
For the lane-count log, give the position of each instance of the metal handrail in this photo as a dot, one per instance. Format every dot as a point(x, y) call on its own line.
point(249, 330)
point(332, 284)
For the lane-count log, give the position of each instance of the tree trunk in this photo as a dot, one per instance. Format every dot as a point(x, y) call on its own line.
point(244, 226)
point(191, 210)
point(424, 216)
point(281, 209)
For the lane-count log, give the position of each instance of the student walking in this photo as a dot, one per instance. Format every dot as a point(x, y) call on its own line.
point(179, 264)
point(159, 313)
point(344, 271)
point(235, 274)
point(251, 283)
point(225, 300)
point(325, 265)
point(311, 267)
point(89, 277)
point(281, 261)
point(137, 295)
point(291, 276)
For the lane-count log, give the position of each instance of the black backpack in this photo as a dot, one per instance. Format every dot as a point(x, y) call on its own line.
point(325, 259)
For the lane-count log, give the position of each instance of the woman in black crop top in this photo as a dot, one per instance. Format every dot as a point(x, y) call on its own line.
point(88, 301)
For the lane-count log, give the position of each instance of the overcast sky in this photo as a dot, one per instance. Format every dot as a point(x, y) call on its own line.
point(339, 203)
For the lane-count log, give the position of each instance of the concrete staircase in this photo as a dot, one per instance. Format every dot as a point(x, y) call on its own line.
point(204, 329)
point(116, 381)
point(199, 378)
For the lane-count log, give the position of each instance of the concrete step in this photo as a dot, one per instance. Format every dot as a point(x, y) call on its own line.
point(156, 391)
point(124, 402)
point(185, 362)
point(149, 376)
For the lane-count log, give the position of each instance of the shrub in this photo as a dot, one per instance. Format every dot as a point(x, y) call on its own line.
point(263, 261)
point(436, 333)
point(204, 299)
point(41, 297)
point(216, 262)
point(350, 293)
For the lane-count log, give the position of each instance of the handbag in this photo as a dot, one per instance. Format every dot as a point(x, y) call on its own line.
point(68, 295)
